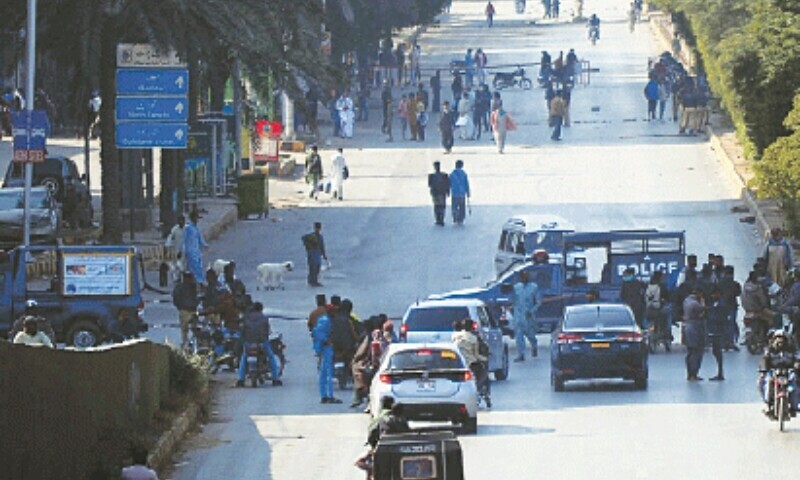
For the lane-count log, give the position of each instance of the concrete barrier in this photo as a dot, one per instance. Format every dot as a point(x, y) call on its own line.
point(64, 414)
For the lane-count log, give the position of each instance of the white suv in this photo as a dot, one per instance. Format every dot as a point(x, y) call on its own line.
point(431, 381)
point(432, 321)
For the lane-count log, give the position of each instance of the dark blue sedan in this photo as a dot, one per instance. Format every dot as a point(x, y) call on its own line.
point(598, 340)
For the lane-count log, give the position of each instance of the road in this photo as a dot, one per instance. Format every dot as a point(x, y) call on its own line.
point(612, 170)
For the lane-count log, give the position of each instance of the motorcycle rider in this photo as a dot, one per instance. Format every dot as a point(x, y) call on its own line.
point(469, 343)
point(779, 354)
point(32, 310)
point(256, 332)
point(756, 303)
point(594, 26)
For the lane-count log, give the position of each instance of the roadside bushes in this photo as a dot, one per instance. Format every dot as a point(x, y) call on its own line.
point(778, 171)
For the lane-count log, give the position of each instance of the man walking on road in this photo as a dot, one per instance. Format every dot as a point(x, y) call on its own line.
point(446, 127)
point(339, 174)
point(439, 185)
point(174, 242)
point(489, 14)
point(558, 109)
point(314, 171)
point(388, 113)
point(526, 302)
point(315, 252)
point(694, 333)
point(501, 124)
point(459, 191)
point(184, 297)
point(778, 254)
point(192, 249)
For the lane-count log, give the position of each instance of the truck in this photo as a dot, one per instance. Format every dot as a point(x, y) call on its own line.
point(579, 263)
point(95, 294)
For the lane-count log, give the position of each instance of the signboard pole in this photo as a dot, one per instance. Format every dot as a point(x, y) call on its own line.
point(30, 94)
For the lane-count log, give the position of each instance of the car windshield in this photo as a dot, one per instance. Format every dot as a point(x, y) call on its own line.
point(598, 319)
point(434, 319)
point(425, 359)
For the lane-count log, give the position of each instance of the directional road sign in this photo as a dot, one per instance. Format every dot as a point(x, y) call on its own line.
point(30, 135)
point(156, 109)
point(151, 135)
point(153, 81)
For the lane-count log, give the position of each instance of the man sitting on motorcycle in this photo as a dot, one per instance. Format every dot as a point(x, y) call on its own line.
point(469, 344)
point(780, 354)
point(256, 332)
point(791, 306)
point(756, 304)
point(594, 26)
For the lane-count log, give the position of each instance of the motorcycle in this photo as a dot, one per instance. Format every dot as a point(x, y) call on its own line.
point(259, 367)
point(216, 344)
point(755, 334)
point(342, 373)
point(782, 388)
point(516, 78)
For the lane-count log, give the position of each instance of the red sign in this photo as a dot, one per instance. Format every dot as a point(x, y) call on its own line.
point(265, 141)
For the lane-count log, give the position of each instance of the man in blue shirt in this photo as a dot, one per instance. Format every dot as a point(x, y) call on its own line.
point(323, 347)
point(526, 302)
point(459, 190)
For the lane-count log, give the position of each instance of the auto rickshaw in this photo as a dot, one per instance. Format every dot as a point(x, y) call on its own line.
point(418, 456)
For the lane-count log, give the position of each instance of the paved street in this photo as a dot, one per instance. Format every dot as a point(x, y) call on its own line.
point(612, 170)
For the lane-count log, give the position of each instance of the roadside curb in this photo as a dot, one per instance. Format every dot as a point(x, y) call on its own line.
point(161, 454)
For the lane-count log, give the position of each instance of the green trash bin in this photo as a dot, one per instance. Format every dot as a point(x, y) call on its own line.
point(253, 191)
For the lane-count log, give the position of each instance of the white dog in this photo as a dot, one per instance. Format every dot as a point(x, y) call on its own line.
point(219, 266)
point(270, 275)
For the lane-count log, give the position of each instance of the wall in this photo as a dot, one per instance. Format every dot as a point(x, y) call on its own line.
point(60, 411)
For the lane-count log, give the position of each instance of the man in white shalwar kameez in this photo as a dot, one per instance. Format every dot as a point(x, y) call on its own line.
point(346, 114)
point(338, 167)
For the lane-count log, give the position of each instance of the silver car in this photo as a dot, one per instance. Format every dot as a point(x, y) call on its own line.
point(45, 216)
point(432, 321)
point(431, 381)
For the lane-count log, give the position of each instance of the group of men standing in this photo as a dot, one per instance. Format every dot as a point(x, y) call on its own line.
point(442, 185)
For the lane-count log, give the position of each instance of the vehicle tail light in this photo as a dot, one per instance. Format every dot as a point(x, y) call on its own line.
point(403, 331)
point(462, 409)
point(633, 337)
point(424, 353)
point(467, 376)
point(474, 326)
point(385, 378)
point(567, 338)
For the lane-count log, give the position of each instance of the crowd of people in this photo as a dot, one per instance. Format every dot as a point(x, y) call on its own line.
point(668, 78)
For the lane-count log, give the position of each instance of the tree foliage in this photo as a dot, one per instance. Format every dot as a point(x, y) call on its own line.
point(779, 169)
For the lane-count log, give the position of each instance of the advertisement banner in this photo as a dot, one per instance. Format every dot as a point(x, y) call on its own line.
point(96, 274)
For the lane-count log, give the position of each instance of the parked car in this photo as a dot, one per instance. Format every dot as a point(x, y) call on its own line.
point(45, 216)
point(431, 381)
point(598, 341)
point(431, 321)
point(60, 176)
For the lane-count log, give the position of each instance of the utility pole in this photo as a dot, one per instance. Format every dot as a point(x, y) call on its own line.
point(237, 115)
point(29, 86)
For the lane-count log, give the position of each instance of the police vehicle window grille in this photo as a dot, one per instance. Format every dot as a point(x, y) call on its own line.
point(627, 246)
point(503, 238)
point(664, 245)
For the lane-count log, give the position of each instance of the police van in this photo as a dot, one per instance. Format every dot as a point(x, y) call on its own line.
point(522, 235)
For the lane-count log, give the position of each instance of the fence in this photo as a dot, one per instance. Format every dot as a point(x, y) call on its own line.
point(62, 411)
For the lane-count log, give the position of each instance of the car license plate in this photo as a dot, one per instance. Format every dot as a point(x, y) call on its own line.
point(601, 345)
point(426, 386)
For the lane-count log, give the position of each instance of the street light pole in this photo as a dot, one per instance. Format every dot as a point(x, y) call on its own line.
point(29, 86)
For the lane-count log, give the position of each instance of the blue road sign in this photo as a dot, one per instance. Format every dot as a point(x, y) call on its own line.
point(151, 135)
point(155, 109)
point(30, 135)
point(154, 81)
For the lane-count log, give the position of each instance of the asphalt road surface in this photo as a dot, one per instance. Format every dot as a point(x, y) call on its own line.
point(612, 170)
